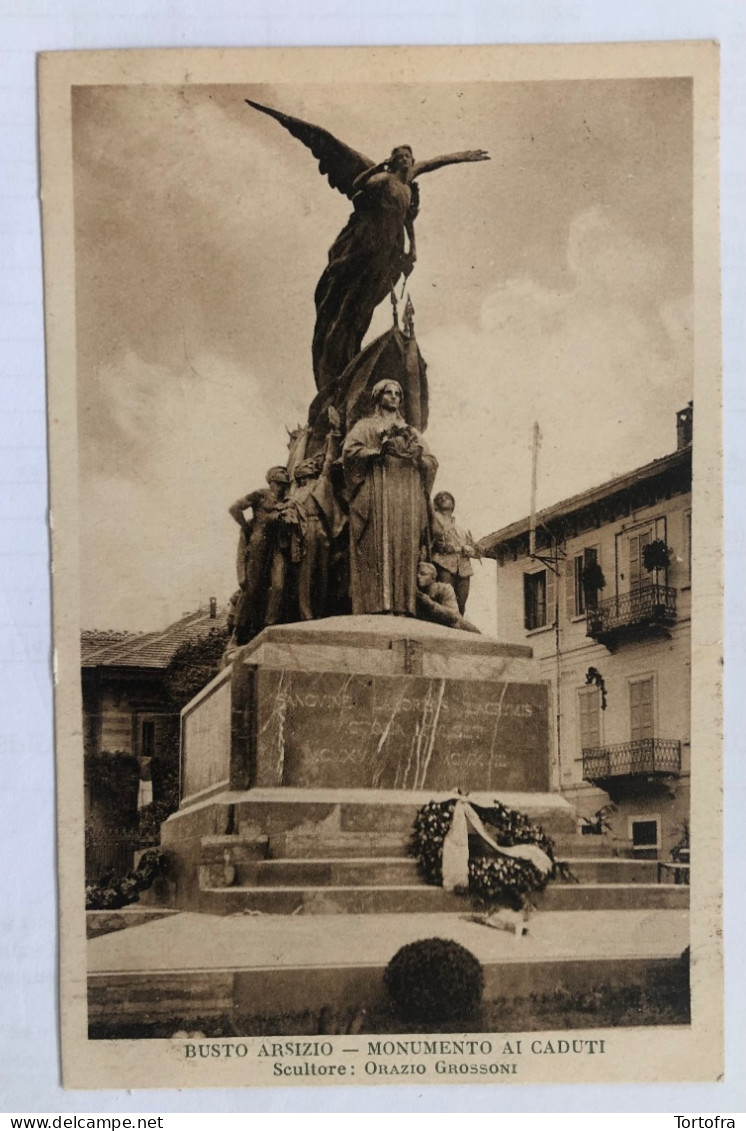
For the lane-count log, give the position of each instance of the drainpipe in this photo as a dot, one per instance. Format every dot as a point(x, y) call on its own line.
point(558, 697)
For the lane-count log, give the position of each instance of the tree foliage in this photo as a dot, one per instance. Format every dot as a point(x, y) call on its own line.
point(192, 667)
point(434, 980)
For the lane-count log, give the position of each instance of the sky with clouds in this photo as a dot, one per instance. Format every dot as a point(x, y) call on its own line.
point(553, 283)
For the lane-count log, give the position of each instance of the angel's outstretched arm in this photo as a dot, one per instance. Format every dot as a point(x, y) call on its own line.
point(428, 166)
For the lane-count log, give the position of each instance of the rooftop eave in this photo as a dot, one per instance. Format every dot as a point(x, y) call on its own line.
point(123, 671)
point(552, 522)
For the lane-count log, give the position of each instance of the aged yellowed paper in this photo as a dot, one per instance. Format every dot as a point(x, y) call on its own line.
point(460, 682)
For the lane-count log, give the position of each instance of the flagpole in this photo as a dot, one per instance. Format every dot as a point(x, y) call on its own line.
point(534, 463)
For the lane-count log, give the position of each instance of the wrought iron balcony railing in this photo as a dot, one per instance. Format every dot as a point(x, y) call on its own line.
point(627, 759)
point(651, 605)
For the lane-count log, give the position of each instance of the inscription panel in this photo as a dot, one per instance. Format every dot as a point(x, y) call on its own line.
point(206, 738)
point(334, 730)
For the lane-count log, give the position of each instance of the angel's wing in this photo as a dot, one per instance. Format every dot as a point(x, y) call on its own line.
point(340, 164)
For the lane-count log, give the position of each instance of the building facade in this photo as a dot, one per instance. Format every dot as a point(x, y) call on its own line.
point(122, 682)
point(605, 602)
point(131, 729)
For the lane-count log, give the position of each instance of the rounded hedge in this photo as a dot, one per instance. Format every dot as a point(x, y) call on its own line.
point(434, 980)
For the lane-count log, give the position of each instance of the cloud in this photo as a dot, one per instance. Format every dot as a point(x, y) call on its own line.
point(155, 513)
point(179, 234)
point(202, 227)
point(599, 364)
point(610, 263)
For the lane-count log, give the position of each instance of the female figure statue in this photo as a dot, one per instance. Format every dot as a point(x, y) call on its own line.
point(389, 472)
point(369, 255)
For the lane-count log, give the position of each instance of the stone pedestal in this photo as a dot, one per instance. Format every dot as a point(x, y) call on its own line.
point(369, 703)
point(305, 762)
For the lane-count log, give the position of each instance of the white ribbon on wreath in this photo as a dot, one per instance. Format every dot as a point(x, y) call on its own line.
point(455, 865)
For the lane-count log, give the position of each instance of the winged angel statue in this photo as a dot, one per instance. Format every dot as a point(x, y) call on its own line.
point(370, 254)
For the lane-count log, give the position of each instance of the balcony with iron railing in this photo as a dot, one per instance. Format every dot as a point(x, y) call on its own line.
point(649, 757)
point(648, 608)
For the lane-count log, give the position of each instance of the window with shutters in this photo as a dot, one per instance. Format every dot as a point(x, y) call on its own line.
point(642, 708)
point(582, 594)
point(147, 738)
point(589, 704)
point(538, 599)
point(639, 577)
point(688, 545)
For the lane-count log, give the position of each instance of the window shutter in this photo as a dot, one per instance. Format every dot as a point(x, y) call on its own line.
point(147, 738)
point(639, 578)
point(641, 709)
point(646, 578)
point(590, 718)
point(551, 595)
point(589, 593)
point(570, 605)
point(634, 561)
point(647, 709)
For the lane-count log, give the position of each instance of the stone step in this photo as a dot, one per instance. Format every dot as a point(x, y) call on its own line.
point(415, 898)
point(388, 871)
point(383, 871)
point(356, 900)
point(613, 897)
point(104, 922)
point(333, 843)
point(238, 849)
point(322, 812)
point(371, 844)
point(611, 870)
point(371, 847)
point(334, 847)
point(595, 846)
point(339, 846)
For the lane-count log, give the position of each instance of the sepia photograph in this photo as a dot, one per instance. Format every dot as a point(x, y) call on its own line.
point(385, 493)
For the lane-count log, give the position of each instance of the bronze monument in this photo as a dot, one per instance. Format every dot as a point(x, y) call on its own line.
point(358, 520)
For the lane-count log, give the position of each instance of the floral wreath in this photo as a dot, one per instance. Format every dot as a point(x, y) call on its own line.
point(112, 893)
point(505, 879)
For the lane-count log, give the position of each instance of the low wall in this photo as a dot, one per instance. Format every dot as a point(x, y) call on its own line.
point(206, 739)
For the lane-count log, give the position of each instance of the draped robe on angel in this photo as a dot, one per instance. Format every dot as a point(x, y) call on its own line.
point(365, 261)
point(368, 256)
point(388, 516)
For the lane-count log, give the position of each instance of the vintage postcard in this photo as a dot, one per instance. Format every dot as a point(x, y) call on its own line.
point(384, 424)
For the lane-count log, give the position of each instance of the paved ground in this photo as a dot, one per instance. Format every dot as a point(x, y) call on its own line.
point(189, 941)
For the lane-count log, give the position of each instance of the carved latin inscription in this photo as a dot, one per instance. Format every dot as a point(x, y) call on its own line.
point(404, 732)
